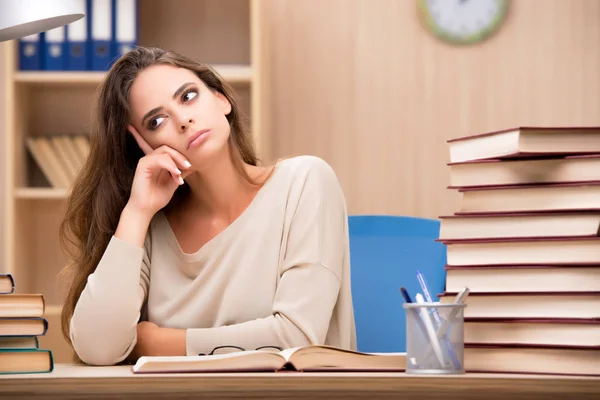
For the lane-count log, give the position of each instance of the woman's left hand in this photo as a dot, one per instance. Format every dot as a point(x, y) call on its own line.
point(152, 340)
point(148, 339)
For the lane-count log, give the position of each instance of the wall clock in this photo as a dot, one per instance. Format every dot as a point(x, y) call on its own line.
point(463, 21)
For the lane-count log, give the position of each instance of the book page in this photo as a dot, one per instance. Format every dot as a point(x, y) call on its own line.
point(236, 361)
point(287, 353)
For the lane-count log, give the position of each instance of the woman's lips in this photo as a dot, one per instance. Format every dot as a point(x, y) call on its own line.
point(198, 138)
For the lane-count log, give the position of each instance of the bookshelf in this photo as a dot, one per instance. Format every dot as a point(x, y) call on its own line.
point(222, 33)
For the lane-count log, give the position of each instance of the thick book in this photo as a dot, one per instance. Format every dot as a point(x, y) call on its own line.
point(547, 332)
point(532, 360)
point(25, 361)
point(523, 278)
point(308, 358)
point(519, 225)
point(19, 342)
point(524, 251)
point(553, 305)
point(22, 305)
point(23, 326)
point(526, 141)
point(580, 196)
point(499, 172)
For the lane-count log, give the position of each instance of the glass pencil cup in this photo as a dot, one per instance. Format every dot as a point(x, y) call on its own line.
point(434, 338)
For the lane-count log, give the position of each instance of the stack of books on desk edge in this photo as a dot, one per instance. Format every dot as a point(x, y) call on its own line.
point(525, 241)
point(21, 322)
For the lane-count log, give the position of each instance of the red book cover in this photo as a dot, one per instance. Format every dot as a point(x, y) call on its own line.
point(512, 266)
point(525, 128)
point(530, 185)
point(547, 157)
point(520, 239)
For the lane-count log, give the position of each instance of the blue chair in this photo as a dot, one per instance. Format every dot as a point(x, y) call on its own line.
point(385, 253)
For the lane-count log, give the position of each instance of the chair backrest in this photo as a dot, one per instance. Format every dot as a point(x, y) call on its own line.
point(385, 253)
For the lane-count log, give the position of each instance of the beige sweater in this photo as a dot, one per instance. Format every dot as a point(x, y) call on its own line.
point(278, 275)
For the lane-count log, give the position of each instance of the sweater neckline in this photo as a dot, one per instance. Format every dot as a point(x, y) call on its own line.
point(225, 233)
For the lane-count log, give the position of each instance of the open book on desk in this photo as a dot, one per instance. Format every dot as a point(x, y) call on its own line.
point(308, 358)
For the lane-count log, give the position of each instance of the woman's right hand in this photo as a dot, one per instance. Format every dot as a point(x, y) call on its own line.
point(157, 176)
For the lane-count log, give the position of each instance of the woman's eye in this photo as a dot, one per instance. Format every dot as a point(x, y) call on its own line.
point(154, 123)
point(189, 95)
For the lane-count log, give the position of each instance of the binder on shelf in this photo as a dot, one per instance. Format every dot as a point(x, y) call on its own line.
point(100, 34)
point(125, 26)
point(54, 49)
point(77, 41)
point(30, 48)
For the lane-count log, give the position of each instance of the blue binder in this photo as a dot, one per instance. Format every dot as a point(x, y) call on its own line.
point(125, 26)
point(100, 34)
point(30, 49)
point(55, 49)
point(77, 41)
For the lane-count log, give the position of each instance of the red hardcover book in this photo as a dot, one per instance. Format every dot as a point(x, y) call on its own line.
point(524, 251)
point(526, 171)
point(523, 278)
point(567, 332)
point(532, 360)
point(519, 225)
point(526, 141)
point(536, 305)
point(509, 199)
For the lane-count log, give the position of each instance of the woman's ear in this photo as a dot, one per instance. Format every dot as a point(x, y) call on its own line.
point(225, 104)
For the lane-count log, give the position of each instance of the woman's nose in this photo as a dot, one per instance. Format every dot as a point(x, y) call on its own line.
point(185, 123)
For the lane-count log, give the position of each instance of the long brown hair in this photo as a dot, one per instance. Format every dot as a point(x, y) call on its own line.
point(103, 186)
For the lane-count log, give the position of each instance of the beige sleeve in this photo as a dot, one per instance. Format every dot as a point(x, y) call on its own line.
point(310, 275)
point(104, 324)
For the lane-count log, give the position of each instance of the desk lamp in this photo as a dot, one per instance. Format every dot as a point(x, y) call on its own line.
point(20, 18)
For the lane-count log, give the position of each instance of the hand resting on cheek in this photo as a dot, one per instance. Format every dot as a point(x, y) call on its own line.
point(157, 176)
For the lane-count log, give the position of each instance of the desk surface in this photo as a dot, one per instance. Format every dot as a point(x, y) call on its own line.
point(74, 381)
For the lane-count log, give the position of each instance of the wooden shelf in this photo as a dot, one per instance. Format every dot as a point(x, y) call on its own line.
point(231, 73)
point(41, 193)
point(59, 77)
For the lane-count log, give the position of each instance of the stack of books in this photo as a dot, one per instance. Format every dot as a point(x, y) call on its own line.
point(21, 322)
point(525, 241)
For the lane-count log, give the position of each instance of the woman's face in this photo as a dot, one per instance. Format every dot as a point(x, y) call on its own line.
point(172, 106)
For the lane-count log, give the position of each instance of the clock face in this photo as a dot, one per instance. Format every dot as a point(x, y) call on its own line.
point(463, 21)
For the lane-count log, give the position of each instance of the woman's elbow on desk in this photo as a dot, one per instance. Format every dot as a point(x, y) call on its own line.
point(101, 345)
point(101, 352)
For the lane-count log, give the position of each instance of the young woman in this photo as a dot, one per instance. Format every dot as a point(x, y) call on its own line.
point(180, 242)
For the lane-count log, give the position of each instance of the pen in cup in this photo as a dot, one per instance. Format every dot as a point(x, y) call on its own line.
point(437, 320)
point(427, 295)
point(430, 330)
point(408, 299)
point(460, 298)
